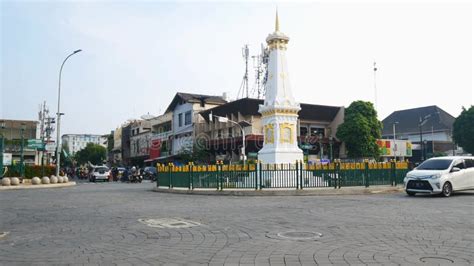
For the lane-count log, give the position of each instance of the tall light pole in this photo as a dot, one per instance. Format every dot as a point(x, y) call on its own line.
point(375, 85)
point(2, 126)
point(58, 129)
point(331, 141)
point(395, 148)
point(321, 147)
point(421, 123)
point(22, 147)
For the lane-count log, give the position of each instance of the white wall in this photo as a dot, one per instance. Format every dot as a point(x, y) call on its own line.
point(79, 142)
point(179, 141)
point(436, 136)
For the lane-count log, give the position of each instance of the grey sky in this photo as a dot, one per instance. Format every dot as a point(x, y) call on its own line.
point(137, 55)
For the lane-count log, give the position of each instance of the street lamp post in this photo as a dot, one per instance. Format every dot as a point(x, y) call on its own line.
point(395, 148)
point(245, 123)
point(58, 129)
point(2, 127)
point(320, 147)
point(22, 145)
point(330, 147)
point(420, 124)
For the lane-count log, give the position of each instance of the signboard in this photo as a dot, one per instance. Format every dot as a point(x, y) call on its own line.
point(392, 148)
point(35, 144)
point(7, 159)
point(50, 147)
point(252, 155)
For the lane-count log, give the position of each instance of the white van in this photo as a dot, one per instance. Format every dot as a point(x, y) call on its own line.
point(441, 175)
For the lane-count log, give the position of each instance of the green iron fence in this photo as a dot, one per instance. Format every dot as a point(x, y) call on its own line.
point(281, 176)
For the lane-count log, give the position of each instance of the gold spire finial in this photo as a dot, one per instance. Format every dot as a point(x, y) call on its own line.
point(277, 23)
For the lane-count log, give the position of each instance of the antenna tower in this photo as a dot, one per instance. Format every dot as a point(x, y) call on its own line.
point(244, 86)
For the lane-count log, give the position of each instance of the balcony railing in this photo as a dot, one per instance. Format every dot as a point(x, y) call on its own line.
point(163, 135)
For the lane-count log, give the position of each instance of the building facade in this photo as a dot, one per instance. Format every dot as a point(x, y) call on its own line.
point(77, 142)
point(316, 130)
point(140, 139)
point(185, 108)
point(13, 131)
point(162, 131)
point(428, 128)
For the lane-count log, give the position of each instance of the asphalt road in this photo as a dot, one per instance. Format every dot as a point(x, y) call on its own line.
point(130, 224)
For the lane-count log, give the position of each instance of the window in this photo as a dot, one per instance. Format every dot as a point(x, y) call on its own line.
point(459, 164)
point(469, 163)
point(187, 118)
point(219, 134)
point(303, 131)
point(230, 132)
point(180, 120)
point(435, 164)
point(315, 131)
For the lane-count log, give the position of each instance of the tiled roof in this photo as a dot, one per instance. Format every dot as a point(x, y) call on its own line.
point(408, 120)
point(249, 106)
point(181, 97)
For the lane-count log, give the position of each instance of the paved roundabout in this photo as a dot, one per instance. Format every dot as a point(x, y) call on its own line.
point(129, 224)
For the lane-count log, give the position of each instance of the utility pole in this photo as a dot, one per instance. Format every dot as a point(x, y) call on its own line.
point(375, 86)
point(395, 148)
point(22, 158)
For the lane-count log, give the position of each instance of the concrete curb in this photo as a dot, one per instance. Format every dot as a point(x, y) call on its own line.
point(292, 192)
point(30, 186)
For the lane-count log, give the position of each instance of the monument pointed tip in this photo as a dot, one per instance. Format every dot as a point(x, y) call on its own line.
point(277, 22)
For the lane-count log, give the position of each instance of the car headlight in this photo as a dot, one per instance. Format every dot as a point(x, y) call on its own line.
point(436, 176)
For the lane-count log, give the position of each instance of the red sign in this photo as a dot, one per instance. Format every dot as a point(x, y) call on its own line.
point(155, 148)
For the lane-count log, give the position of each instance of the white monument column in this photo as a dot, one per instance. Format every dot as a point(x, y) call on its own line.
point(280, 110)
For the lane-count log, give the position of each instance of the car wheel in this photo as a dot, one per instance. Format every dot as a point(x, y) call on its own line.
point(411, 194)
point(447, 189)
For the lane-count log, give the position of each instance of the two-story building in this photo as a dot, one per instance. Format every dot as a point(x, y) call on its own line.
point(428, 128)
point(160, 145)
point(317, 127)
point(185, 108)
point(140, 138)
point(13, 131)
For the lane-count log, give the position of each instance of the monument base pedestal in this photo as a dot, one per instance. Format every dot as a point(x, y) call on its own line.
point(280, 156)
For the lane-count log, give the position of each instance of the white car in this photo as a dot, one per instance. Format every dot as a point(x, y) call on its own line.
point(441, 175)
point(99, 173)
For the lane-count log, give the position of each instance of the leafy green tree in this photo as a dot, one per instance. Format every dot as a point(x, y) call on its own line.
point(360, 130)
point(93, 153)
point(463, 129)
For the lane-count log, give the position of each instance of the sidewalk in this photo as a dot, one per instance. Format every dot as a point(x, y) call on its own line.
point(30, 186)
point(325, 191)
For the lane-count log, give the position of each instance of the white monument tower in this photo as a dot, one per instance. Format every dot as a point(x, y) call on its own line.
point(280, 110)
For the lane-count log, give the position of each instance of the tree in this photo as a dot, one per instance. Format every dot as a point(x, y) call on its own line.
point(360, 130)
point(93, 153)
point(463, 129)
point(197, 154)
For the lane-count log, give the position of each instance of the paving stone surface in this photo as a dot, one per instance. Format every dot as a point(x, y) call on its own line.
point(98, 224)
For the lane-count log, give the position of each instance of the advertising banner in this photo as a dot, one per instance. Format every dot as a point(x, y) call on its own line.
point(392, 148)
